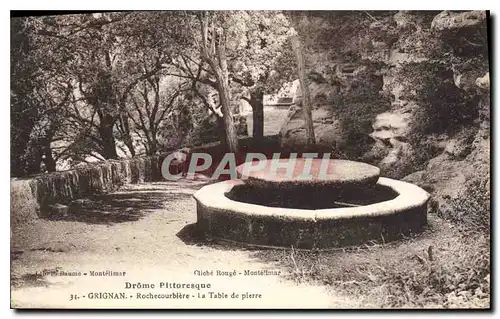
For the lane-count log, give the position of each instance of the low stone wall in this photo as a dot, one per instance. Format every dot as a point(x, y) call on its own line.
point(30, 198)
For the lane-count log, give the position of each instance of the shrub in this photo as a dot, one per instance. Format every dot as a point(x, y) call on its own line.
point(471, 209)
point(444, 108)
point(440, 268)
point(460, 269)
point(356, 107)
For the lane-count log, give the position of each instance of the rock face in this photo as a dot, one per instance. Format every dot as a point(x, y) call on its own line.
point(446, 20)
point(406, 91)
point(390, 130)
point(342, 120)
point(293, 133)
point(346, 89)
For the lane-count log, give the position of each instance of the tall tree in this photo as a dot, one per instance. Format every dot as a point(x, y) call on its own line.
point(304, 87)
point(25, 76)
point(112, 54)
point(263, 61)
point(39, 95)
point(94, 70)
point(257, 54)
point(151, 103)
point(213, 27)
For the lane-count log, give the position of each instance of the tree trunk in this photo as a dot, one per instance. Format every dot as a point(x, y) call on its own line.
point(221, 128)
point(225, 99)
point(221, 76)
point(304, 87)
point(256, 102)
point(33, 161)
point(50, 163)
point(107, 137)
point(214, 54)
point(127, 137)
point(20, 132)
point(153, 145)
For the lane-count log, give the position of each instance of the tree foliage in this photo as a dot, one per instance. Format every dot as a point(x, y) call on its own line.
point(106, 85)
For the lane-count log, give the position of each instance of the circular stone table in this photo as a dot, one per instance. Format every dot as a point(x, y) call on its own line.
point(332, 173)
point(221, 217)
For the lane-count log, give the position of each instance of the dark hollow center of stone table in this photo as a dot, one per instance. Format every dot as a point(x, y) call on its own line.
point(311, 197)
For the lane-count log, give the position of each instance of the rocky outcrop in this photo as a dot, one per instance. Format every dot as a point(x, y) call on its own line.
point(449, 21)
point(344, 104)
point(460, 175)
point(408, 90)
point(326, 129)
point(390, 130)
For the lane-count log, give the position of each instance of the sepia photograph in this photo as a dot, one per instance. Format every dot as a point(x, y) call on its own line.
point(250, 159)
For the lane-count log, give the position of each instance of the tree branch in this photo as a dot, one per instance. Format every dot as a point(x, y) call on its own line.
point(245, 98)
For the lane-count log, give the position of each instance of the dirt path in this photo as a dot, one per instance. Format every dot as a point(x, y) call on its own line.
point(144, 230)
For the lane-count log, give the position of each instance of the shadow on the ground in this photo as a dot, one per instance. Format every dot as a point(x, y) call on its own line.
point(127, 206)
point(192, 235)
point(304, 265)
point(184, 183)
point(29, 280)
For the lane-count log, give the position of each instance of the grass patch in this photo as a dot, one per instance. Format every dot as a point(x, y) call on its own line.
point(438, 268)
point(470, 210)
